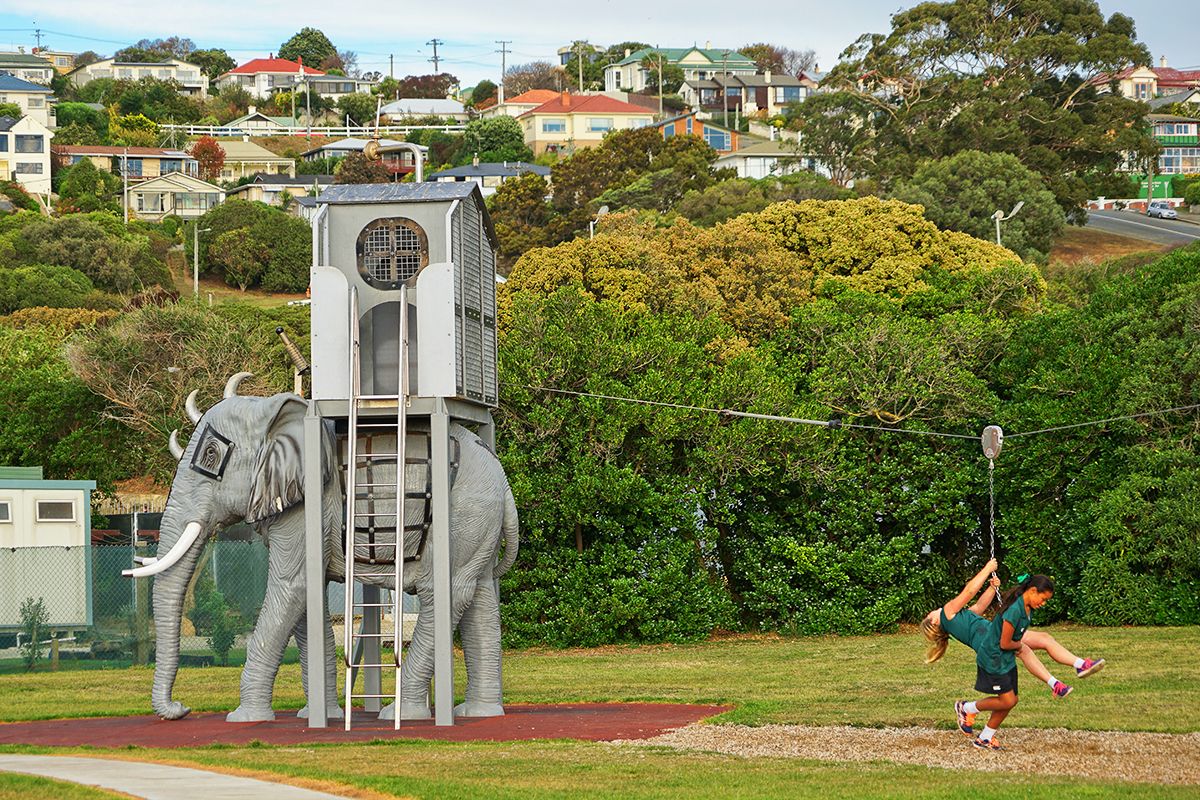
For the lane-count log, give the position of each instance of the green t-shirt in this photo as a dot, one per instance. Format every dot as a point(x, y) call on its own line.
point(966, 627)
point(989, 656)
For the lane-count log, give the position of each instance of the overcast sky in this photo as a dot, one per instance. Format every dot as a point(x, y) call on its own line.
point(395, 38)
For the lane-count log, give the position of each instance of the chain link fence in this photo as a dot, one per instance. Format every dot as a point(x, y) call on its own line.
point(94, 617)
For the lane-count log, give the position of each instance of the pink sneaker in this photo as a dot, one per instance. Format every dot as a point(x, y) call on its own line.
point(1061, 689)
point(1090, 667)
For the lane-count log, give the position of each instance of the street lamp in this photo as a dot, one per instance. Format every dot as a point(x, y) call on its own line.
point(999, 217)
point(196, 259)
point(592, 222)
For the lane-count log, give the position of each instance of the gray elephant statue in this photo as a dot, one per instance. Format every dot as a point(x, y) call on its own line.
point(244, 462)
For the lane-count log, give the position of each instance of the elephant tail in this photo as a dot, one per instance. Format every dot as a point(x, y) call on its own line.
point(511, 535)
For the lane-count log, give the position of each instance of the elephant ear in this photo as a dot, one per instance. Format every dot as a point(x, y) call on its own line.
point(278, 481)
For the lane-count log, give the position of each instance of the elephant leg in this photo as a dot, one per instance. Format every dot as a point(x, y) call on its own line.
point(479, 631)
point(416, 670)
point(332, 709)
point(282, 608)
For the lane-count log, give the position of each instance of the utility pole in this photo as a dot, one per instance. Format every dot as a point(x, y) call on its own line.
point(435, 43)
point(392, 67)
point(725, 87)
point(503, 65)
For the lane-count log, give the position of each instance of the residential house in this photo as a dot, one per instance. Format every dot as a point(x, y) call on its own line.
point(767, 159)
point(516, 106)
point(25, 153)
point(719, 137)
point(270, 188)
point(489, 175)
point(63, 61)
point(1190, 97)
point(335, 87)
point(255, 120)
point(303, 207)
point(32, 68)
point(34, 100)
point(244, 158)
point(137, 164)
point(173, 193)
point(1180, 138)
point(628, 74)
point(752, 95)
point(399, 162)
point(262, 77)
point(1141, 82)
point(570, 122)
point(191, 79)
point(395, 112)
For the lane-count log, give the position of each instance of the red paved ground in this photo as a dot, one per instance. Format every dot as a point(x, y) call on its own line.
point(586, 721)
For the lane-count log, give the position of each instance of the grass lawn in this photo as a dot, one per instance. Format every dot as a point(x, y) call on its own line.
point(866, 680)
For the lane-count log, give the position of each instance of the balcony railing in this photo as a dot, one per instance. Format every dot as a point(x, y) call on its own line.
point(343, 132)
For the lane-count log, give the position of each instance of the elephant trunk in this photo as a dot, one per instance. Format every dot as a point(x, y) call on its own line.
point(170, 588)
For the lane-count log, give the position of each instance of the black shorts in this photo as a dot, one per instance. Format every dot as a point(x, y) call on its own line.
point(988, 683)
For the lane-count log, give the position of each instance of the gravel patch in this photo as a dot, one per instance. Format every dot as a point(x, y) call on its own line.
point(1161, 758)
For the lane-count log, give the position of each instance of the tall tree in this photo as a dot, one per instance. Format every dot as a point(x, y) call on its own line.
point(1013, 77)
point(213, 63)
point(522, 78)
point(310, 45)
point(427, 86)
point(780, 60)
point(963, 192)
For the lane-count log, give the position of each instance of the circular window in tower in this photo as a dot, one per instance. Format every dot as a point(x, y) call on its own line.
point(391, 251)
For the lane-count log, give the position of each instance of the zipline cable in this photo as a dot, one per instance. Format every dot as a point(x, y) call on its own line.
point(835, 423)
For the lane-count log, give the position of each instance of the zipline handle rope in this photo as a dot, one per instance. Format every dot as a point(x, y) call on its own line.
point(992, 441)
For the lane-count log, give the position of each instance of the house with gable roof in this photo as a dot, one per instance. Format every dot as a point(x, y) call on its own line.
point(1141, 82)
point(697, 65)
point(516, 106)
point(34, 100)
point(262, 77)
point(25, 153)
point(570, 122)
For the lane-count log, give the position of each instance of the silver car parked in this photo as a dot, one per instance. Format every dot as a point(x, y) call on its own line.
point(1161, 209)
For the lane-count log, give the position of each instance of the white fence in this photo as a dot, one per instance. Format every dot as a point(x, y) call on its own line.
point(344, 132)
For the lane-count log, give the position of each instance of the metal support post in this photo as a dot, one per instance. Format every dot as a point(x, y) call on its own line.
point(443, 635)
point(314, 569)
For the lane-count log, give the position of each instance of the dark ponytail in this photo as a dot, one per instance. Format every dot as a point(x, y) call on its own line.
point(1043, 583)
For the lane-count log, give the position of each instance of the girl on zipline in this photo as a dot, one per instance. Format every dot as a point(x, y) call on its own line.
point(968, 626)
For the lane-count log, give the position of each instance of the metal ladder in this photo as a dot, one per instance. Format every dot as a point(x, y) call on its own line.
point(372, 501)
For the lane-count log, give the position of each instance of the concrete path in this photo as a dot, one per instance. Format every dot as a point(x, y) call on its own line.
point(154, 781)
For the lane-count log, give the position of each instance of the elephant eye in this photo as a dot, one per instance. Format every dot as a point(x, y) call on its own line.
point(212, 453)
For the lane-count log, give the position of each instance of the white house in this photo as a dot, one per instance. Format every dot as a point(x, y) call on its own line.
point(25, 153)
point(173, 193)
point(262, 77)
point(192, 80)
point(422, 107)
point(34, 100)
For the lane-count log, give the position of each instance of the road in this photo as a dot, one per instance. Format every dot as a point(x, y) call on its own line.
point(1135, 224)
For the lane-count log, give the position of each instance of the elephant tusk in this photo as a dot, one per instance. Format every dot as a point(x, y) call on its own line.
point(152, 566)
point(193, 412)
point(173, 443)
point(231, 386)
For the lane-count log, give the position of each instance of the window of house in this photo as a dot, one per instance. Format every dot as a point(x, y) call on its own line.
point(617, 78)
point(733, 91)
point(55, 510)
point(787, 94)
point(689, 125)
point(3, 142)
point(270, 81)
point(552, 125)
point(390, 251)
point(1141, 91)
point(640, 123)
point(28, 169)
point(5, 511)
point(170, 165)
point(61, 61)
point(595, 124)
point(133, 167)
point(716, 138)
point(149, 202)
point(668, 130)
point(26, 143)
point(37, 102)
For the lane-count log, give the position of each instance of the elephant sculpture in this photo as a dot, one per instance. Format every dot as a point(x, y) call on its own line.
point(244, 462)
